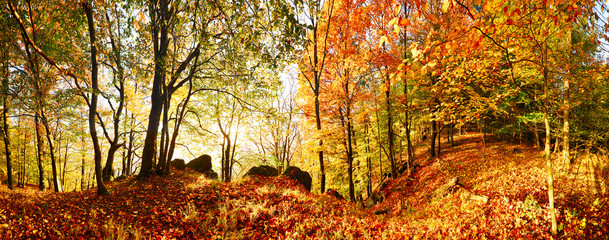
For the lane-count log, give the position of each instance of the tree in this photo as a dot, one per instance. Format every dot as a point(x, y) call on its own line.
point(312, 66)
point(524, 28)
point(5, 75)
point(101, 188)
point(66, 72)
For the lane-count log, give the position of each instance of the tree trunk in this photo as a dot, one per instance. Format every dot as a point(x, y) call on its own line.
point(536, 135)
point(160, 170)
point(40, 153)
point(566, 105)
point(315, 86)
point(101, 188)
point(5, 127)
point(390, 135)
point(546, 119)
point(56, 186)
point(130, 154)
point(65, 166)
point(439, 136)
point(350, 159)
point(23, 160)
point(368, 161)
point(432, 140)
point(180, 114)
point(108, 170)
point(33, 62)
point(410, 152)
point(226, 169)
point(452, 134)
point(82, 171)
point(160, 25)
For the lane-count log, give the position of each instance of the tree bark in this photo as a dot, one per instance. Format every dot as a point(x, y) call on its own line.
point(82, 171)
point(368, 160)
point(547, 153)
point(432, 140)
point(40, 152)
point(390, 134)
point(320, 153)
point(128, 171)
point(567, 107)
point(160, 26)
point(5, 126)
point(317, 67)
point(45, 123)
point(23, 160)
point(439, 137)
point(108, 170)
point(101, 188)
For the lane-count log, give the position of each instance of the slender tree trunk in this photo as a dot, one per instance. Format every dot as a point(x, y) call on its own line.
point(432, 140)
point(180, 114)
point(5, 127)
point(65, 166)
point(410, 152)
point(33, 62)
point(130, 154)
point(368, 161)
point(40, 152)
point(439, 136)
point(101, 188)
point(82, 171)
point(226, 170)
point(23, 157)
point(160, 170)
point(380, 146)
point(124, 162)
point(108, 170)
point(390, 134)
point(350, 160)
point(318, 66)
point(45, 123)
point(536, 136)
point(546, 119)
point(567, 106)
point(348, 143)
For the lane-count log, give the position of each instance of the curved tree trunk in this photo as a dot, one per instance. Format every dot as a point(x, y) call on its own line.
point(101, 188)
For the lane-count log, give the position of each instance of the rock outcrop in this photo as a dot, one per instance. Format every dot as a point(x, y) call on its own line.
point(300, 176)
point(178, 164)
point(200, 164)
point(263, 170)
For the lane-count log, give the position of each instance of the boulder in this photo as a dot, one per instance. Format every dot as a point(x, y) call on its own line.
point(300, 176)
point(200, 164)
point(211, 174)
point(263, 170)
point(120, 178)
point(178, 164)
point(334, 193)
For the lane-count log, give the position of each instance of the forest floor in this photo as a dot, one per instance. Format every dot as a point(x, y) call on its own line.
point(502, 193)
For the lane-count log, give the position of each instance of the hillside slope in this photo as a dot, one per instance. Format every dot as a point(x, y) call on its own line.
point(501, 194)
